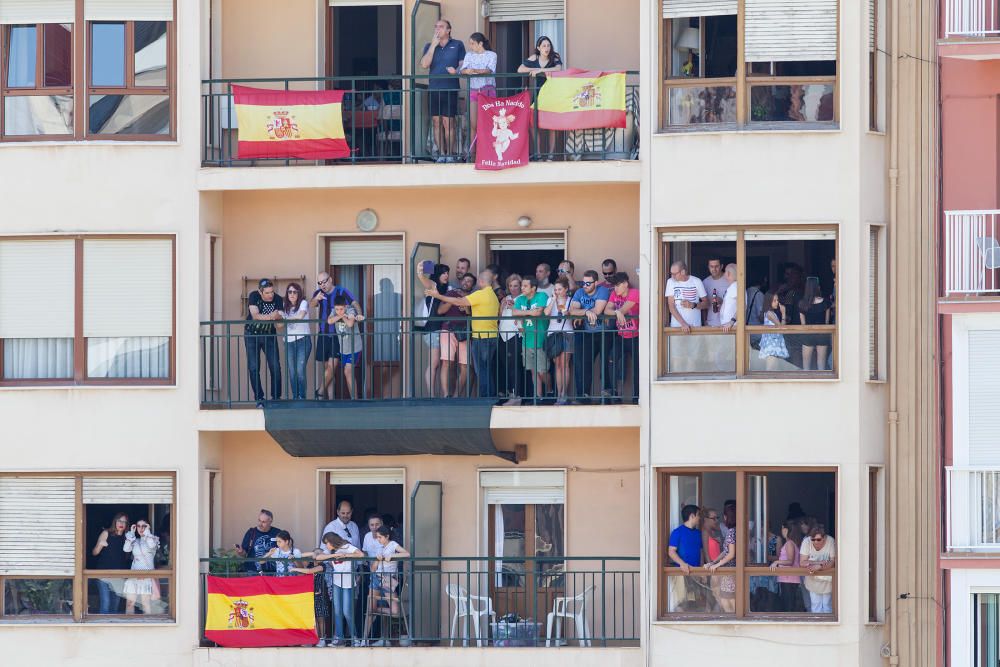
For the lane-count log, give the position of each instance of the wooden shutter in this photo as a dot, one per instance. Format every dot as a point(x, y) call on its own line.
point(33, 267)
point(679, 9)
point(984, 387)
point(786, 30)
point(128, 288)
point(532, 487)
point(19, 12)
point(352, 253)
point(526, 10)
point(37, 525)
point(874, 302)
point(131, 490)
point(129, 10)
point(528, 243)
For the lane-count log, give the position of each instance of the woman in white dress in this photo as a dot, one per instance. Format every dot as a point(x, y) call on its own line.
point(142, 544)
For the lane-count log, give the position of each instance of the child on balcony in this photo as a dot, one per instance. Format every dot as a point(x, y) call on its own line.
point(772, 345)
point(343, 319)
point(338, 554)
point(284, 550)
point(385, 583)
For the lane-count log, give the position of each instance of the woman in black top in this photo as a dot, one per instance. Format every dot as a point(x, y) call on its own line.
point(544, 58)
point(814, 309)
point(111, 555)
point(432, 328)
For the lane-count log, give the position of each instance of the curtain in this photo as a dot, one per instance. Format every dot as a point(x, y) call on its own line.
point(132, 357)
point(553, 29)
point(498, 543)
point(37, 358)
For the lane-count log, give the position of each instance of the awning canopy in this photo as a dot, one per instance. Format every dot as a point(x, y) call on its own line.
point(383, 428)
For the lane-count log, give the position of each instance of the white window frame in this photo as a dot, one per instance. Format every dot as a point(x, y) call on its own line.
point(964, 584)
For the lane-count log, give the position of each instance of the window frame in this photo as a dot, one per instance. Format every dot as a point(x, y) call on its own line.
point(80, 377)
point(82, 575)
point(742, 572)
point(742, 331)
point(39, 89)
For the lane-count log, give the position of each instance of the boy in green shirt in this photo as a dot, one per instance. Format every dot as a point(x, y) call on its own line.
point(530, 306)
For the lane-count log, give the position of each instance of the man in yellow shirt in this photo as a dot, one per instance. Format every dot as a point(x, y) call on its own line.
point(485, 310)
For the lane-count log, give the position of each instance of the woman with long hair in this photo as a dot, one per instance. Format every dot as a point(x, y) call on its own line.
point(559, 342)
point(481, 63)
point(814, 309)
point(297, 339)
point(142, 544)
point(284, 550)
point(726, 591)
point(543, 59)
point(772, 345)
point(788, 585)
point(109, 550)
point(438, 280)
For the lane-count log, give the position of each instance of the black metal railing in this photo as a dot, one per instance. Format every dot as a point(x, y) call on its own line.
point(388, 120)
point(247, 363)
point(471, 601)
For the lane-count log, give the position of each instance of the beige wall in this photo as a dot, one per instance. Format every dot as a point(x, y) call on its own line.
point(597, 40)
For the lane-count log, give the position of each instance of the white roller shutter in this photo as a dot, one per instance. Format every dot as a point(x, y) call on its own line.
point(984, 387)
point(20, 12)
point(388, 476)
point(349, 253)
point(679, 9)
point(533, 487)
point(129, 10)
point(697, 237)
point(128, 288)
point(30, 267)
point(872, 19)
point(528, 243)
point(120, 490)
point(785, 30)
point(37, 525)
point(775, 235)
point(874, 305)
point(526, 10)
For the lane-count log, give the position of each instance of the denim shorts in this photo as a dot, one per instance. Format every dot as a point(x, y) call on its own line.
point(433, 340)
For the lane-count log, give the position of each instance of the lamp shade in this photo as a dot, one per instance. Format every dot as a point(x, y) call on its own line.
point(689, 39)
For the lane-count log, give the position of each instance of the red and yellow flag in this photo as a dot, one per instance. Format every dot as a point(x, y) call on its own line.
point(579, 100)
point(260, 611)
point(304, 124)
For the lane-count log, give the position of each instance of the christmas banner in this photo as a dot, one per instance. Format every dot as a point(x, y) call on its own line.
point(502, 134)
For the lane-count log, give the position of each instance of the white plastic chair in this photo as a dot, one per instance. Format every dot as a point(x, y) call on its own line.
point(990, 250)
point(569, 607)
point(472, 606)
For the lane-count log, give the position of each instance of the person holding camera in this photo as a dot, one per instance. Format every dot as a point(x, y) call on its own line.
point(142, 544)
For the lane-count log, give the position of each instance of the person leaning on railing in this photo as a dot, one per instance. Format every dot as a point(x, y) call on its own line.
point(480, 62)
point(589, 302)
point(263, 309)
point(559, 339)
point(623, 304)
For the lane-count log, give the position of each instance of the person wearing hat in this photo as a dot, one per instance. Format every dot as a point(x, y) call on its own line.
point(264, 307)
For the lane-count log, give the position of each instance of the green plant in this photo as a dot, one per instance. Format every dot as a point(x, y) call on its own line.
point(225, 563)
point(40, 596)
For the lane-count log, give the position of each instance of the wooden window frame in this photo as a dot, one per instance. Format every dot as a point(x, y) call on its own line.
point(742, 331)
point(39, 89)
point(742, 572)
point(80, 377)
point(82, 575)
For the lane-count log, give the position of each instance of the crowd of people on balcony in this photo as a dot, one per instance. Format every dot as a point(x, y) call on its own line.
point(492, 335)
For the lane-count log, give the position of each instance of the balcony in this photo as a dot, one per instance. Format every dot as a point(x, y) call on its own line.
point(972, 514)
point(487, 602)
point(971, 29)
point(972, 253)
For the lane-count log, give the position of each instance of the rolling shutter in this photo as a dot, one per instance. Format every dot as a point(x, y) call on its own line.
point(984, 387)
point(792, 235)
point(697, 237)
point(528, 243)
point(25, 268)
point(129, 10)
point(128, 288)
point(128, 490)
point(679, 9)
point(872, 19)
point(20, 12)
point(351, 253)
point(526, 10)
point(37, 525)
point(533, 487)
point(390, 476)
point(786, 30)
point(874, 302)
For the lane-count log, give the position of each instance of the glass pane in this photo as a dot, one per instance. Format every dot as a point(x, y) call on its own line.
point(693, 353)
point(791, 352)
point(683, 491)
point(128, 595)
point(129, 114)
point(151, 53)
point(696, 105)
point(794, 103)
point(107, 55)
point(388, 279)
point(133, 357)
point(986, 629)
point(549, 526)
point(509, 542)
point(757, 533)
point(777, 594)
point(37, 358)
point(819, 592)
point(35, 115)
point(24, 597)
point(701, 594)
point(58, 54)
point(22, 55)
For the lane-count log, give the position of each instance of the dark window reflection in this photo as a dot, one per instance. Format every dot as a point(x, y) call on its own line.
point(151, 53)
point(58, 54)
point(129, 114)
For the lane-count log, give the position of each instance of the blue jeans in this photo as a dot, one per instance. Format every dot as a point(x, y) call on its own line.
point(267, 343)
point(343, 607)
point(484, 361)
point(297, 357)
point(110, 602)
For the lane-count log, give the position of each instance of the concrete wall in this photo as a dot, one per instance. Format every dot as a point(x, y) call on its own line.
point(970, 97)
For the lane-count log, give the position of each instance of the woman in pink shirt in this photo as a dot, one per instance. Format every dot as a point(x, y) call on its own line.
point(791, 597)
point(624, 305)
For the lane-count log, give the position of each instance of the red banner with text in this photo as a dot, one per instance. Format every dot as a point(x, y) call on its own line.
point(502, 134)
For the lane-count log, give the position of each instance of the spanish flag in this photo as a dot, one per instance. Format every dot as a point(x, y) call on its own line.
point(259, 611)
point(304, 124)
point(580, 100)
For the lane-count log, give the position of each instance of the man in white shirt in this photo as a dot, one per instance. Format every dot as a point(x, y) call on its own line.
point(343, 525)
point(729, 306)
point(686, 297)
point(715, 288)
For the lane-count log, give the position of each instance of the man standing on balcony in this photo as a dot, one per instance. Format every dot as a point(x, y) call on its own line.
point(686, 298)
point(443, 59)
point(327, 343)
point(543, 274)
point(684, 551)
point(609, 268)
point(258, 542)
point(343, 525)
point(590, 301)
point(263, 308)
point(715, 288)
point(462, 267)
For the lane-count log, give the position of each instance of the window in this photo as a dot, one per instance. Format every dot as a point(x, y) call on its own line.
point(89, 333)
point(788, 71)
point(126, 90)
point(876, 66)
point(986, 629)
point(794, 267)
point(875, 530)
point(747, 519)
point(876, 302)
point(41, 577)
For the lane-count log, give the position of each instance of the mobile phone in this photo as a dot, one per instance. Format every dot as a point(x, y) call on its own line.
point(427, 267)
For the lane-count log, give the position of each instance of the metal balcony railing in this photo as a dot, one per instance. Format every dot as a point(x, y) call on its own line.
point(387, 120)
point(972, 18)
point(972, 252)
point(479, 601)
point(972, 496)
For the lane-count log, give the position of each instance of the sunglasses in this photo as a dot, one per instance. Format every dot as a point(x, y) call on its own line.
point(322, 282)
point(563, 271)
point(265, 283)
point(293, 291)
point(587, 283)
point(608, 274)
point(819, 539)
point(714, 517)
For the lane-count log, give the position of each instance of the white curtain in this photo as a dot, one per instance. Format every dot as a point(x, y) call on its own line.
point(132, 357)
point(553, 29)
point(37, 358)
point(498, 543)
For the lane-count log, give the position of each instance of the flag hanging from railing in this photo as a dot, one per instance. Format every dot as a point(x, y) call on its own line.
point(260, 611)
point(303, 124)
point(502, 131)
point(579, 100)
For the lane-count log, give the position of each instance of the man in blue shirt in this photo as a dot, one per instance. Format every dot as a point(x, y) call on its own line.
point(327, 343)
point(443, 59)
point(588, 343)
point(684, 551)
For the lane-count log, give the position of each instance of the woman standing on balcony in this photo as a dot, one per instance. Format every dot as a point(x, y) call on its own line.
point(559, 342)
point(727, 583)
point(438, 280)
point(788, 585)
point(544, 58)
point(110, 554)
point(814, 309)
point(142, 544)
point(479, 60)
point(297, 340)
